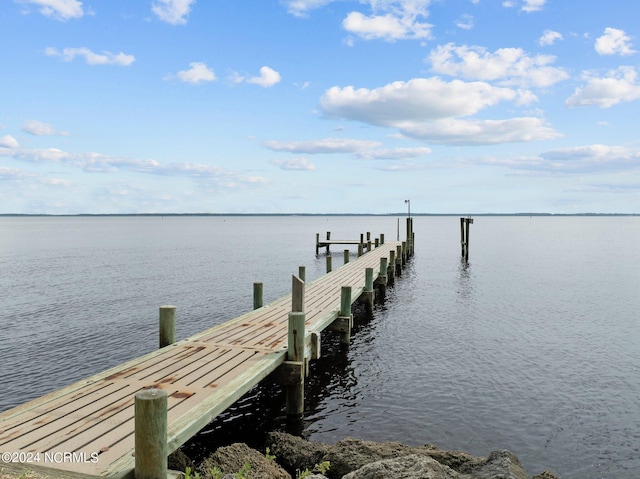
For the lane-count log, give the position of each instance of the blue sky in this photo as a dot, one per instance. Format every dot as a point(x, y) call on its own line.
point(319, 106)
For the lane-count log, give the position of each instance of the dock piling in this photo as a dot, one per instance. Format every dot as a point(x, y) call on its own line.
point(329, 264)
point(344, 321)
point(257, 295)
point(167, 325)
point(302, 272)
point(368, 294)
point(346, 256)
point(464, 236)
point(398, 260)
point(382, 278)
point(150, 409)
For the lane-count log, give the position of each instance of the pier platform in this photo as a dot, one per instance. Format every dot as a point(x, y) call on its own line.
point(87, 429)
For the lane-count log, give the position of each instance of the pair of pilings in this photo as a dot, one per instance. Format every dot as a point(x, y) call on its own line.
point(361, 245)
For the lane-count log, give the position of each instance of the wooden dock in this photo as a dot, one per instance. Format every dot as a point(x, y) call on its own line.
point(87, 429)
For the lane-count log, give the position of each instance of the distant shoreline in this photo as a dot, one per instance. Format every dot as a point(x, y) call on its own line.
point(12, 215)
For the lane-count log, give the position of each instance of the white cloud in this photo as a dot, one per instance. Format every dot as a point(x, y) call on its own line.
point(614, 42)
point(533, 5)
point(296, 164)
point(199, 72)
point(8, 141)
point(92, 162)
point(592, 158)
point(326, 145)
point(549, 37)
point(38, 128)
point(12, 173)
point(511, 66)
point(57, 9)
point(300, 8)
point(620, 85)
point(480, 132)
point(104, 58)
point(172, 11)
point(268, 77)
point(388, 27)
point(420, 99)
point(429, 109)
point(393, 153)
point(465, 22)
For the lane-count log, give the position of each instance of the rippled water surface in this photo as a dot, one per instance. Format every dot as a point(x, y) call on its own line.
point(533, 346)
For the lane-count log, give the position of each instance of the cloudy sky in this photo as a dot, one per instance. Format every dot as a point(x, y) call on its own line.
point(319, 106)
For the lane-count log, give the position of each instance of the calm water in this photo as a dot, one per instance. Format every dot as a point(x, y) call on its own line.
point(534, 346)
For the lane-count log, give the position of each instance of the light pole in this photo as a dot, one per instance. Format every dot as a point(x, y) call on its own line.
point(408, 203)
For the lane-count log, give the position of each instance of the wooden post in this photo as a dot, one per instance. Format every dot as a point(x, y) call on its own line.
point(392, 266)
point(329, 264)
point(408, 236)
point(345, 317)
point(382, 278)
point(150, 435)
point(295, 355)
point(317, 243)
point(167, 325)
point(398, 260)
point(360, 250)
point(328, 238)
point(295, 351)
point(302, 273)
point(346, 256)
point(377, 242)
point(381, 238)
point(368, 245)
point(257, 295)
point(404, 253)
point(367, 294)
point(462, 241)
point(297, 295)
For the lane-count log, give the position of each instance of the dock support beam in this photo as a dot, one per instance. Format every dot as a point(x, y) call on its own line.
point(167, 325)
point(150, 409)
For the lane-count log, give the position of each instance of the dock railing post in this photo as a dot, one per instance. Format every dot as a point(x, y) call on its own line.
point(398, 260)
point(377, 243)
point(257, 295)
point(167, 325)
point(405, 252)
point(150, 435)
point(381, 238)
point(329, 264)
point(295, 351)
point(346, 256)
point(360, 250)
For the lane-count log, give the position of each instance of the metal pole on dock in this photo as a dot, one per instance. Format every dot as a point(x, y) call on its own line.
point(167, 325)
point(150, 410)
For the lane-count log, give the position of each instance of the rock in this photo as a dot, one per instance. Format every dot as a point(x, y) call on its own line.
point(499, 465)
point(241, 458)
point(295, 453)
point(414, 466)
point(179, 461)
point(546, 475)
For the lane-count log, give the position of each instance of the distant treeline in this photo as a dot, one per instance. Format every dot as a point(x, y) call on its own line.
point(322, 214)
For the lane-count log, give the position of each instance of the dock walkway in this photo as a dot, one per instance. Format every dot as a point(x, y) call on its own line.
point(203, 375)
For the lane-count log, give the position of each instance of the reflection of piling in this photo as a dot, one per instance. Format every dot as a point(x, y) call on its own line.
point(464, 236)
